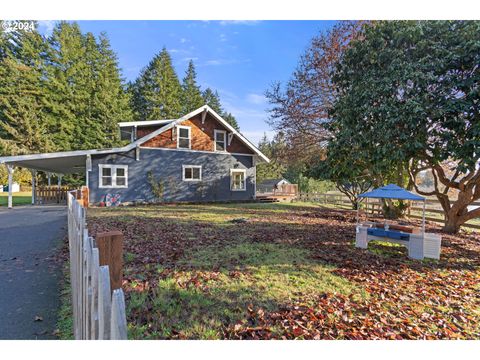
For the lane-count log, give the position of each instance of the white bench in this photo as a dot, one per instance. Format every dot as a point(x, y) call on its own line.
point(420, 245)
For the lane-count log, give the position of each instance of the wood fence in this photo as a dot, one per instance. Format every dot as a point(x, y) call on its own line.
point(432, 207)
point(95, 270)
point(282, 190)
point(52, 194)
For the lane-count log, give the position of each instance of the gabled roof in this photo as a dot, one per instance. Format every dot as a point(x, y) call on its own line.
point(192, 114)
point(70, 161)
point(392, 191)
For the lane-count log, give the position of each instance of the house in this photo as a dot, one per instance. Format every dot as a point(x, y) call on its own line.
point(198, 157)
point(268, 185)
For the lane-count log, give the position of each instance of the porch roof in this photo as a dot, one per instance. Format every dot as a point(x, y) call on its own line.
point(65, 162)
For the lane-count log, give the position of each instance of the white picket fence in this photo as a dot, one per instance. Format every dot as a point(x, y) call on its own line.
point(97, 312)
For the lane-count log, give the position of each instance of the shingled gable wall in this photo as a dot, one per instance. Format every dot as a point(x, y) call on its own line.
point(202, 136)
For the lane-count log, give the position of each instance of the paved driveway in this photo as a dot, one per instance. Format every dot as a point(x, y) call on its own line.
point(29, 237)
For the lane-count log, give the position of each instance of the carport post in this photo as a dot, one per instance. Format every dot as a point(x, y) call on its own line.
point(10, 170)
point(48, 178)
point(59, 181)
point(88, 168)
point(34, 185)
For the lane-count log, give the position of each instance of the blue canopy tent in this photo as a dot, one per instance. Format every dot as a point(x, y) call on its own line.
point(392, 191)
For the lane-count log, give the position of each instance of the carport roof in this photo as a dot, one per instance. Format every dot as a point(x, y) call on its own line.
point(65, 162)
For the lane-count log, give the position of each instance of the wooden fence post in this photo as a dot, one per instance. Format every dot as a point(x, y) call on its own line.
point(110, 248)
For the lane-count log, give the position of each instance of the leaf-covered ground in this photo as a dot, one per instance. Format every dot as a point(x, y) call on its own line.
point(286, 271)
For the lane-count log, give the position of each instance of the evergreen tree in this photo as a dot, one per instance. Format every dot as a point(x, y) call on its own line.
point(23, 120)
point(271, 149)
point(212, 99)
point(191, 96)
point(89, 98)
point(69, 85)
point(111, 101)
point(231, 120)
point(157, 93)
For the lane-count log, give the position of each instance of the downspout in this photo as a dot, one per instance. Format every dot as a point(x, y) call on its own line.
point(88, 168)
point(254, 163)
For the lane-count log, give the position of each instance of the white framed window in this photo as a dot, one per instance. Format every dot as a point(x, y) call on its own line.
point(191, 172)
point(237, 179)
point(220, 140)
point(113, 176)
point(184, 137)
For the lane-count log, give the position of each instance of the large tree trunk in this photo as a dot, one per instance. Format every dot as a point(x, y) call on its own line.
point(452, 225)
point(458, 214)
point(455, 211)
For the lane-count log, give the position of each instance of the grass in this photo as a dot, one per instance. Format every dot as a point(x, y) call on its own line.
point(199, 303)
point(19, 198)
point(287, 271)
point(65, 313)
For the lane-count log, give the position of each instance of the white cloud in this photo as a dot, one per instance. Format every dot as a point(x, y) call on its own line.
point(223, 37)
point(239, 22)
point(256, 99)
point(183, 40)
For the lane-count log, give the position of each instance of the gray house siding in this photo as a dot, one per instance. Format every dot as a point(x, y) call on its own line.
point(166, 165)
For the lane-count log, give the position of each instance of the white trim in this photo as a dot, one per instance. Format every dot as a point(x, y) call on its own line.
point(191, 166)
point(244, 171)
point(134, 144)
point(144, 123)
point(189, 136)
point(215, 132)
point(55, 155)
point(197, 151)
point(113, 175)
point(192, 114)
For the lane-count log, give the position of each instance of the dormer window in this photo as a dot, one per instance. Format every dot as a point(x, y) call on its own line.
point(220, 140)
point(183, 137)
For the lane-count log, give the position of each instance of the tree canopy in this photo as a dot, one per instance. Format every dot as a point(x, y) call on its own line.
point(407, 92)
point(65, 91)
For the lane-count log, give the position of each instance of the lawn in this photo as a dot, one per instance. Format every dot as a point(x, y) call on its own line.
point(19, 198)
point(285, 271)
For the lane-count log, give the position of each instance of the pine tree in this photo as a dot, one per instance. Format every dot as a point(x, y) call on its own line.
point(110, 100)
point(191, 96)
point(157, 93)
point(272, 150)
point(88, 95)
point(212, 99)
point(23, 120)
point(228, 117)
point(68, 84)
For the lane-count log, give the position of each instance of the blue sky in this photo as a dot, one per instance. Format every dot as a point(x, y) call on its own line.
point(240, 59)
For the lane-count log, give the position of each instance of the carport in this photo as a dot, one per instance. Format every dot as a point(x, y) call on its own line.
point(59, 163)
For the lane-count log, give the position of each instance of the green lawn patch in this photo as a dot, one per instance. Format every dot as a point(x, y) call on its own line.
point(19, 198)
point(286, 271)
point(199, 303)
